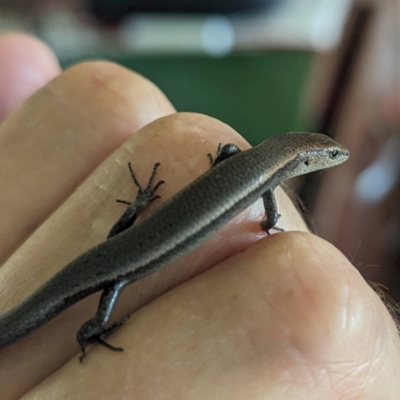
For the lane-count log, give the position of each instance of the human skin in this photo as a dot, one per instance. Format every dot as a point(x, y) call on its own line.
point(244, 316)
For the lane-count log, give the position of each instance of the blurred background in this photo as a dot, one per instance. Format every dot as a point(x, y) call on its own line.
point(266, 67)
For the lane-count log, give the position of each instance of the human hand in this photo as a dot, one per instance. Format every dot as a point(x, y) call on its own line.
point(242, 317)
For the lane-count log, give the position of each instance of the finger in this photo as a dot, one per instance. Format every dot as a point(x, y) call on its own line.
point(289, 318)
point(61, 134)
point(26, 65)
point(180, 142)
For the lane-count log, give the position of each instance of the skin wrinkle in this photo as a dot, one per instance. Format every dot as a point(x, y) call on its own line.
point(321, 378)
point(339, 387)
point(338, 382)
point(353, 369)
point(376, 358)
point(354, 376)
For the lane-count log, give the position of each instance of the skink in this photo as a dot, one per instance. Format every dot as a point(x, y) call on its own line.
point(132, 251)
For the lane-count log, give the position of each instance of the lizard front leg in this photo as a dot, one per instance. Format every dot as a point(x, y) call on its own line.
point(145, 196)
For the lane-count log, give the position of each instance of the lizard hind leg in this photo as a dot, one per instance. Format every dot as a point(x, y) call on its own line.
point(94, 330)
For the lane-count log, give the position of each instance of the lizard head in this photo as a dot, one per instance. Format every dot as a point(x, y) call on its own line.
point(320, 152)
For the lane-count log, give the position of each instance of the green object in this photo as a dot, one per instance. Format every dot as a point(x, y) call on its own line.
point(258, 94)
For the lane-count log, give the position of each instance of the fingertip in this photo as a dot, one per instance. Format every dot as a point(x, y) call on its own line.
point(27, 65)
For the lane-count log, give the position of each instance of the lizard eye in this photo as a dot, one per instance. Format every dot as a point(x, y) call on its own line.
point(333, 154)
